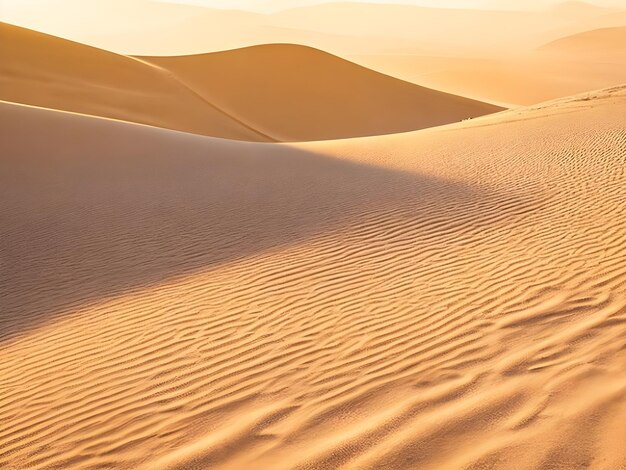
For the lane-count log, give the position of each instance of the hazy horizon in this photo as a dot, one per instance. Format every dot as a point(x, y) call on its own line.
point(268, 6)
point(275, 5)
point(321, 234)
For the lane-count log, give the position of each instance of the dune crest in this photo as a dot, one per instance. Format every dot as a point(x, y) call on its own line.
point(47, 71)
point(264, 93)
point(598, 44)
point(573, 64)
point(297, 93)
point(448, 298)
point(342, 28)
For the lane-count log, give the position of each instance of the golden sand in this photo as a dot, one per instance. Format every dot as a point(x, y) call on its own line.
point(448, 298)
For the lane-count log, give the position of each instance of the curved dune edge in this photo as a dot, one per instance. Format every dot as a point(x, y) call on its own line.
point(264, 93)
point(566, 66)
point(343, 28)
point(450, 298)
point(600, 43)
point(298, 93)
point(50, 72)
point(571, 65)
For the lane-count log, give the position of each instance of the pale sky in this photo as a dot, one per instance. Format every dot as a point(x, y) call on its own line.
point(269, 5)
point(274, 5)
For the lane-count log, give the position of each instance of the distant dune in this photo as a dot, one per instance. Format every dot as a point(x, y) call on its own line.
point(448, 298)
point(43, 70)
point(298, 93)
point(265, 93)
point(342, 28)
point(570, 65)
point(599, 44)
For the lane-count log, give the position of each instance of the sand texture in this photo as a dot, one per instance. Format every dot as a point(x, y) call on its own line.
point(297, 93)
point(451, 298)
point(263, 93)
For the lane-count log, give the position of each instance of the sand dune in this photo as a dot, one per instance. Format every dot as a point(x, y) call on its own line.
point(43, 70)
point(570, 65)
point(449, 298)
point(342, 28)
point(599, 44)
point(265, 93)
point(484, 55)
point(348, 28)
point(518, 80)
point(296, 93)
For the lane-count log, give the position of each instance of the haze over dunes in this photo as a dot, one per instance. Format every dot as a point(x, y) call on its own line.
point(299, 93)
point(519, 80)
point(143, 27)
point(569, 65)
point(450, 298)
point(600, 44)
point(489, 55)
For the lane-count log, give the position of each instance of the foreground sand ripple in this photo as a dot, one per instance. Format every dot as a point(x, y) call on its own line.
point(450, 298)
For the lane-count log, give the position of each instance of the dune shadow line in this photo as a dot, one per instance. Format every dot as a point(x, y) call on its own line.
point(92, 208)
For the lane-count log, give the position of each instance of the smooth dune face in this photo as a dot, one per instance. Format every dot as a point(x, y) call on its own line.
point(492, 56)
point(517, 80)
point(296, 93)
point(43, 70)
point(449, 298)
point(521, 65)
point(99, 23)
point(268, 93)
point(574, 64)
point(599, 44)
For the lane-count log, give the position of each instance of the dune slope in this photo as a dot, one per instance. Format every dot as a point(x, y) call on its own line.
point(598, 44)
point(43, 70)
point(570, 65)
point(449, 298)
point(264, 93)
point(343, 28)
point(300, 93)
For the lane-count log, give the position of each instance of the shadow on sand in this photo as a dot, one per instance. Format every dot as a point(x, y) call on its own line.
point(91, 208)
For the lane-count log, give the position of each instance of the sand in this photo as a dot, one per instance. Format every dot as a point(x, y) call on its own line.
point(569, 65)
point(522, 79)
point(499, 57)
point(297, 93)
point(448, 298)
point(263, 93)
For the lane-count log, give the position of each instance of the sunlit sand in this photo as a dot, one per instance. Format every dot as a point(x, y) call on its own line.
point(275, 258)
